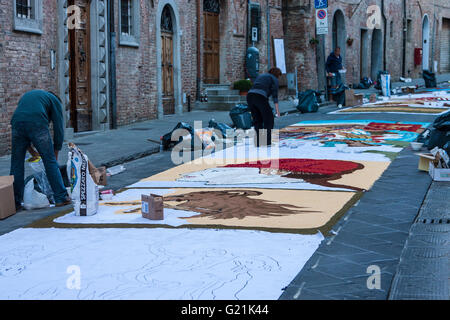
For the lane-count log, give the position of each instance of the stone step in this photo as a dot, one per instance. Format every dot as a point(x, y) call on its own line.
point(217, 86)
point(221, 92)
point(234, 99)
point(215, 106)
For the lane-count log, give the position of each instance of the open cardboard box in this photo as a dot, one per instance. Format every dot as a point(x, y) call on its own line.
point(424, 161)
point(438, 174)
point(352, 99)
point(7, 205)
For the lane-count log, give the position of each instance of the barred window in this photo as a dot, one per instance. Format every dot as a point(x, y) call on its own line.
point(129, 22)
point(28, 16)
point(24, 9)
point(126, 17)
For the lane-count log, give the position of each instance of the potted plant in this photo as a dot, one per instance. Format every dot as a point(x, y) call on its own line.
point(243, 86)
point(313, 41)
point(349, 41)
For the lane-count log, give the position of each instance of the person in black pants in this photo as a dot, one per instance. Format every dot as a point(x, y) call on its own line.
point(265, 85)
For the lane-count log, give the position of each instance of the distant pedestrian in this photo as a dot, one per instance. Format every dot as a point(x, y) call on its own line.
point(333, 65)
point(30, 125)
point(265, 85)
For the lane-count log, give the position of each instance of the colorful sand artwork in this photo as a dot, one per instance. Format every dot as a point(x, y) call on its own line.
point(238, 226)
point(434, 103)
point(295, 192)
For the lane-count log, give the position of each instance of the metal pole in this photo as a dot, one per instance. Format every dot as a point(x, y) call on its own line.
point(268, 35)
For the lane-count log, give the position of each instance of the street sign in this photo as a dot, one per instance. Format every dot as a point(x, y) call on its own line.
point(320, 4)
point(321, 21)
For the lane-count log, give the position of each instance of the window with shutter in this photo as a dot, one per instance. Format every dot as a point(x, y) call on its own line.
point(255, 19)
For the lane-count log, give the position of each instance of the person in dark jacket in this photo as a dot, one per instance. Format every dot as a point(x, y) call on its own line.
point(334, 64)
point(265, 85)
point(30, 125)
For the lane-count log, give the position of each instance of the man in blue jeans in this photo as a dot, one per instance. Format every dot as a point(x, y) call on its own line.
point(30, 125)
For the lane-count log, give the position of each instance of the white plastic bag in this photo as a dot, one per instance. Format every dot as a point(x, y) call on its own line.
point(84, 191)
point(40, 175)
point(33, 199)
point(386, 84)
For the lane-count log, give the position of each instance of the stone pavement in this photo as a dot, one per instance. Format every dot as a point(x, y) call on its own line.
point(372, 233)
point(423, 272)
point(379, 230)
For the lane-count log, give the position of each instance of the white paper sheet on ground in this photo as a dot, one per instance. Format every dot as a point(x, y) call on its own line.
point(307, 150)
point(150, 263)
point(107, 214)
point(233, 178)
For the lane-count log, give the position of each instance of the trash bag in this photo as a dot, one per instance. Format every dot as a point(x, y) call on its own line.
point(430, 79)
point(378, 83)
point(442, 122)
point(37, 166)
point(438, 138)
point(33, 199)
point(339, 94)
point(307, 101)
point(221, 127)
point(166, 139)
point(241, 116)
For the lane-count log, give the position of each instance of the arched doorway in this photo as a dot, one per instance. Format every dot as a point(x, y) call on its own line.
point(376, 53)
point(168, 59)
point(211, 42)
point(168, 98)
point(425, 43)
point(339, 32)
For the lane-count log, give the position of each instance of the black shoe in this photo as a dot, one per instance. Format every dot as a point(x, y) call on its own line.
point(64, 203)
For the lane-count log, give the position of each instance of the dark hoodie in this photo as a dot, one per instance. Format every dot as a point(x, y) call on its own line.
point(334, 64)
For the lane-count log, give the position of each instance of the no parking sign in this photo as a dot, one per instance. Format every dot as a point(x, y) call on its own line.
point(321, 21)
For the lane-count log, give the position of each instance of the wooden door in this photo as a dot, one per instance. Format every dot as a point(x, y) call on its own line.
point(80, 77)
point(211, 46)
point(167, 73)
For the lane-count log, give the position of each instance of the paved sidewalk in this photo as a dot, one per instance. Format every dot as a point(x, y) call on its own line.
point(424, 269)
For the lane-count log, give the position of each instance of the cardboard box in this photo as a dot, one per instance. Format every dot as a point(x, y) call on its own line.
point(97, 174)
point(152, 207)
point(7, 203)
point(438, 174)
point(352, 99)
point(424, 161)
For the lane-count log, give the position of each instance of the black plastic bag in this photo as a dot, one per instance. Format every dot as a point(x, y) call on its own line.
point(222, 127)
point(307, 101)
point(241, 116)
point(442, 122)
point(437, 138)
point(339, 94)
point(430, 79)
point(166, 140)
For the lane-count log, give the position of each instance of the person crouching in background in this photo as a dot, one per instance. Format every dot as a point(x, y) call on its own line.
point(265, 85)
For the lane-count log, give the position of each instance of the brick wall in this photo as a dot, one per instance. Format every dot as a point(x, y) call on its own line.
point(24, 64)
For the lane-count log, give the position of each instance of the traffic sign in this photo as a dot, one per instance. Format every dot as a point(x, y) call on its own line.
point(321, 21)
point(320, 4)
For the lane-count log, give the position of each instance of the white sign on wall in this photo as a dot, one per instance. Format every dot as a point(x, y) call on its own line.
point(321, 21)
point(280, 60)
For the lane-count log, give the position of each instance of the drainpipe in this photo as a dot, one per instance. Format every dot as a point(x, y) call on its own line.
point(198, 51)
point(112, 65)
point(385, 35)
point(405, 24)
point(268, 34)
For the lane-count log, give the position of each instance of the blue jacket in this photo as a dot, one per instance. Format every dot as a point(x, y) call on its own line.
point(334, 64)
point(267, 85)
point(41, 107)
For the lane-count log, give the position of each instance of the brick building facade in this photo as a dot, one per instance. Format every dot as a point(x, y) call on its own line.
point(149, 60)
point(154, 56)
point(367, 45)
